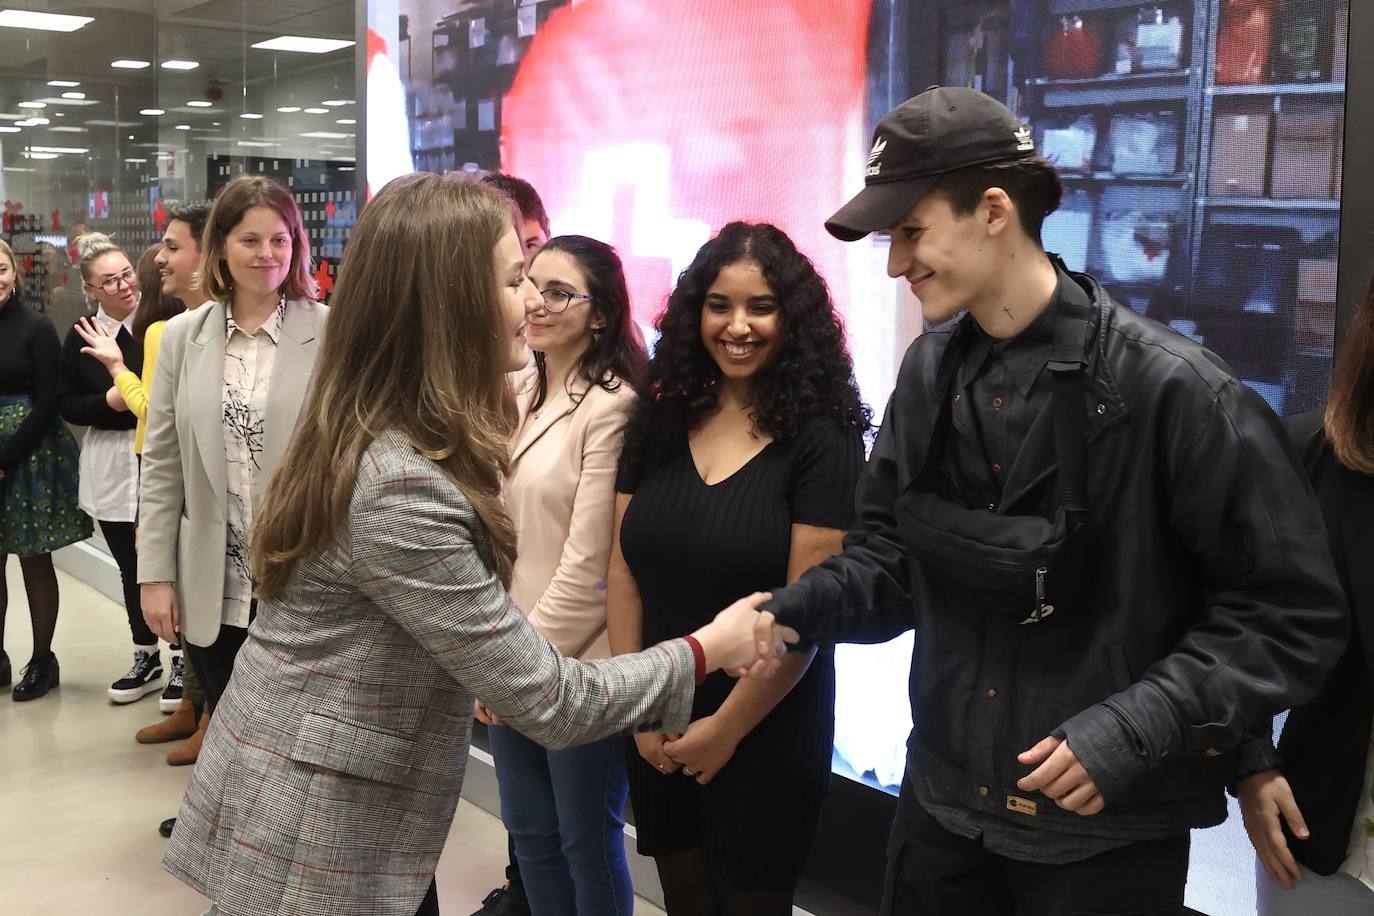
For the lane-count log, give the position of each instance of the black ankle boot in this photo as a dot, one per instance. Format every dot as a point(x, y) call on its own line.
point(40, 676)
point(6, 675)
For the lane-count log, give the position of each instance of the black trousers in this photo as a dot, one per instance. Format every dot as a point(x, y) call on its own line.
point(214, 664)
point(932, 872)
point(430, 905)
point(119, 536)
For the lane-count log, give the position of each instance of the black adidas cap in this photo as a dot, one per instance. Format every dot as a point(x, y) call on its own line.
point(939, 131)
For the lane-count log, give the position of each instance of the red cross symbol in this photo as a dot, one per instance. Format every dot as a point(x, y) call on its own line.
point(12, 209)
point(325, 281)
point(160, 217)
point(329, 210)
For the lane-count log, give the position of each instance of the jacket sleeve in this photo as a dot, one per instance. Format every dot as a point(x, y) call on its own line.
point(572, 610)
point(862, 594)
point(44, 350)
point(162, 489)
point(415, 558)
point(1273, 617)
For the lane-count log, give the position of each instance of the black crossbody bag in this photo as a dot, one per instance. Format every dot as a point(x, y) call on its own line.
point(1028, 565)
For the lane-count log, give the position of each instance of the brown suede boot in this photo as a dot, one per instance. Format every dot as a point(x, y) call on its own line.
point(187, 752)
point(180, 724)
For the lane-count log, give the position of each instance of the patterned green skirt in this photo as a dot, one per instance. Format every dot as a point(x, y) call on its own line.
point(38, 507)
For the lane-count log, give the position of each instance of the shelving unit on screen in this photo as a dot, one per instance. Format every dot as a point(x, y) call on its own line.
point(1200, 142)
point(1269, 211)
point(1112, 88)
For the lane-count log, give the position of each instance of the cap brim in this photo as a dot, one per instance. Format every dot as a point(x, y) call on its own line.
point(878, 206)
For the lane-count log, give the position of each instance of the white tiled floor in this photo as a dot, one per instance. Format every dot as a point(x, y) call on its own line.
point(80, 800)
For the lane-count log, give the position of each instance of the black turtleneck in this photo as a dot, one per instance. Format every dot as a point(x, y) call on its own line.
point(29, 352)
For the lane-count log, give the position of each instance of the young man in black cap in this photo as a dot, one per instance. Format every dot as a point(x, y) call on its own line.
point(1099, 534)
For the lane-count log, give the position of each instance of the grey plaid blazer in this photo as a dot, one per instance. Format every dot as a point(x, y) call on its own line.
point(329, 778)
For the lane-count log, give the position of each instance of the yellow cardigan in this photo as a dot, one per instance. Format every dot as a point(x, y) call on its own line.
point(135, 390)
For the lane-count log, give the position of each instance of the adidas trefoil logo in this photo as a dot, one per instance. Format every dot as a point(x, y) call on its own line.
point(1024, 140)
point(874, 167)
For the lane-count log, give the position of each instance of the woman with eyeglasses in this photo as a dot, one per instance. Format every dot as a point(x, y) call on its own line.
point(563, 808)
point(38, 468)
point(109, 467)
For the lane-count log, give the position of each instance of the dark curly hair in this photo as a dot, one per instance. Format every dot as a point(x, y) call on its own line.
point(811, 377)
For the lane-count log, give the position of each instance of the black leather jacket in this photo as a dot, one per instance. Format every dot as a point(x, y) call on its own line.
point(1213, 600)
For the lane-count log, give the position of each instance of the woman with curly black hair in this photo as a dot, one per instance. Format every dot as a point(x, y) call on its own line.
point(738, 475)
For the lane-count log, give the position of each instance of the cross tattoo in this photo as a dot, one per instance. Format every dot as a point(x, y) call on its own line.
point(1009, 314)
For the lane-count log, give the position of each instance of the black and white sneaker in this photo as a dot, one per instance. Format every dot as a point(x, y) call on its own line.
point(171, 694)
point(144, 677)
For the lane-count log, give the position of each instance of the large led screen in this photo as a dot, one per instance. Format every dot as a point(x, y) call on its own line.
point(1201, 153)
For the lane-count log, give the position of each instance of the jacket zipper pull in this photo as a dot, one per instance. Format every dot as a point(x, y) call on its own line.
point(1041, 610)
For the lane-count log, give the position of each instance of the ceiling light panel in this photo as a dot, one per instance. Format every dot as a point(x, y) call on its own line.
point(63, 84)
point(302, 44)
point(180, 64)
point(123, 64)
point(198, 103)
point(46, 22)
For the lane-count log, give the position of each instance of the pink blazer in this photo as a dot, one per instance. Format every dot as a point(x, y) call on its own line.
point(561, 496)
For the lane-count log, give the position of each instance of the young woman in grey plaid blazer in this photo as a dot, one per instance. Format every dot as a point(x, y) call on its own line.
point(329, 777)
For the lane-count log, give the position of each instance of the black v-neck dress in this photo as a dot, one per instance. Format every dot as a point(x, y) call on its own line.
point(693, 549)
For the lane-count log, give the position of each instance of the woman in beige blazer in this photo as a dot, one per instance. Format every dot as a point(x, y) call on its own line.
point(329, 778)
point(229, 383)
point(564, 808)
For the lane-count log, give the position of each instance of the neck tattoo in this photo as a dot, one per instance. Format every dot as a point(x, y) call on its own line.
point(1009, 314)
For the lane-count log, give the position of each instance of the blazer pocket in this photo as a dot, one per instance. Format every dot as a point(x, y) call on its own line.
point(352, 748)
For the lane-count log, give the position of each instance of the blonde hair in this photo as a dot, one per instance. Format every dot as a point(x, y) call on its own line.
point(91, 246)
point(416, 343)
point(240, 195)
point(8, 252)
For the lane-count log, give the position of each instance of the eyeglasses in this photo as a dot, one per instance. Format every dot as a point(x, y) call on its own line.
point(557, 300)
point(111, 283)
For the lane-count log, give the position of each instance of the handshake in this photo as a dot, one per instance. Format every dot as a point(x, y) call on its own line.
point(744, 641)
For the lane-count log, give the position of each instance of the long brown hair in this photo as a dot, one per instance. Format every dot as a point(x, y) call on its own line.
point(240, 195)
point(416, 343)
point(155, 305)
point(1349, 417)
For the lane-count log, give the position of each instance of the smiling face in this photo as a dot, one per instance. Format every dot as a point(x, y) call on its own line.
point(8, 274)
point(569, 332)
point(176, 261)
point(740, 322)
point(948, 259)
point(518, 296)
point(258, 252)
point(113, 269)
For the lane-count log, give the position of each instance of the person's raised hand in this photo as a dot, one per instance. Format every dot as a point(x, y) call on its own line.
point(1060, 777)
point(160, 609)
point(707, 746)
point(650, 747)
point(100, 345)
point(1265, 798)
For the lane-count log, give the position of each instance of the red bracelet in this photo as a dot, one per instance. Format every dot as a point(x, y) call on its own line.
point(700, 655)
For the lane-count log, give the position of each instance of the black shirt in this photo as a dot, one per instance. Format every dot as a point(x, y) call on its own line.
point(28, 366)
point(695, 549)
point(998, 394)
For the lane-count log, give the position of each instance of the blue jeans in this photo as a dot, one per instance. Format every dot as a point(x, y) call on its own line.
point(563, 810)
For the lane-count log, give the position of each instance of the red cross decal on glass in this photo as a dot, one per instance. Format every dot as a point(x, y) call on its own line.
point(12, 209)
point(325, 281)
